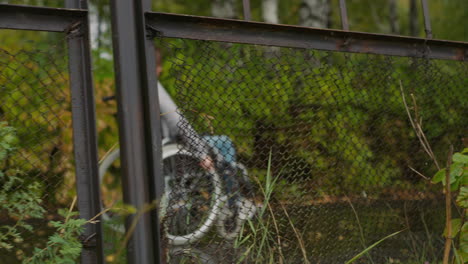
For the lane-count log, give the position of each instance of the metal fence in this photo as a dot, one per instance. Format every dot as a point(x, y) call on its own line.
point(305, 148)
point(332, 131)
point(48, 125)
point(324, 126)
point(34, 105)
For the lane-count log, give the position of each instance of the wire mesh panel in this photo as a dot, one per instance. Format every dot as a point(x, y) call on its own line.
point(306, 156)
point(36, 163)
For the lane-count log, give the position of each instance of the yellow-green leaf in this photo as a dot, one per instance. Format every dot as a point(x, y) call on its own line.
point(439, 176)
point(462, 198)
point(460, 158)
point(371, 247)
point(455, 227)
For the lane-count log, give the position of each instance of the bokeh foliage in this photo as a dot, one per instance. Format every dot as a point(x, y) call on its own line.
point(335, 121)
point(350, 129)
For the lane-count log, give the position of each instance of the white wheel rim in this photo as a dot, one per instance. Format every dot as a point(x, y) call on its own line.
point(168, 151)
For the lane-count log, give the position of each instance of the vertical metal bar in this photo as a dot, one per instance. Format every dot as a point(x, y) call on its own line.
point(247, 14)
point(85, 137)
point(153, 121)
point(134, 83)
point(77, 4)
point(427, 19)
point(344, 15)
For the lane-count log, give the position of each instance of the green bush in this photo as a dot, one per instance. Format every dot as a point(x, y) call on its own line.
point(335, 122)
point(17, 201)
point(20, 202)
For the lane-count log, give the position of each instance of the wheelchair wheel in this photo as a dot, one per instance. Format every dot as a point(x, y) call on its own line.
point(193, 196)
point(189, 255)
point(191, 200)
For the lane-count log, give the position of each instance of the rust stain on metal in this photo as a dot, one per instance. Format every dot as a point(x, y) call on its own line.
point(461, 54)
point(366, 47)
point(339, 44)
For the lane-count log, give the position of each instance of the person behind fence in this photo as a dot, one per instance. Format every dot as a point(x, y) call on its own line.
point(179, 129)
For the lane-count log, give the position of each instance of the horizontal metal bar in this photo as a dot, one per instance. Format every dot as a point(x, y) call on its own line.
point(39, 18)
point(238, 31)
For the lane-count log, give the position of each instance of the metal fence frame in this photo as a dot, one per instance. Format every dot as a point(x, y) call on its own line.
point(238, 31)
point(134, 27)
point(139, 119)
point(74, 24)
point(255, 33)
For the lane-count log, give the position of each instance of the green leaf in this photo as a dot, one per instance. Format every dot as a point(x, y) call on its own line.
point(63, 212)
point(28, 227)
point(455, 227)
point(456, 254)
point(460, 158)
point(123, 209)
point(464, 179)
point(439, 176)
point(463, 255)
point(463, 246)
point(372, 246)
point(462, 198)
point(5, 245)
point(57, 239)
point(456, 170)
point(56, 224)
point(454, 186)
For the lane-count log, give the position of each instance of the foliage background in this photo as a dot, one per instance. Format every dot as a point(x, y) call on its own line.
point(342, 123)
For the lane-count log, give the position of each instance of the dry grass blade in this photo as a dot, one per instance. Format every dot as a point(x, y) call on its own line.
point(146, 208)
point(93, 220)
point(298, 236)
point(108, 152)
point(418, 128)
point(71, 208)
point(418, 173)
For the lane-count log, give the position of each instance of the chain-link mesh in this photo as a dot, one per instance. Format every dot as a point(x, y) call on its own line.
point(314, 154)
point(35, 143)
